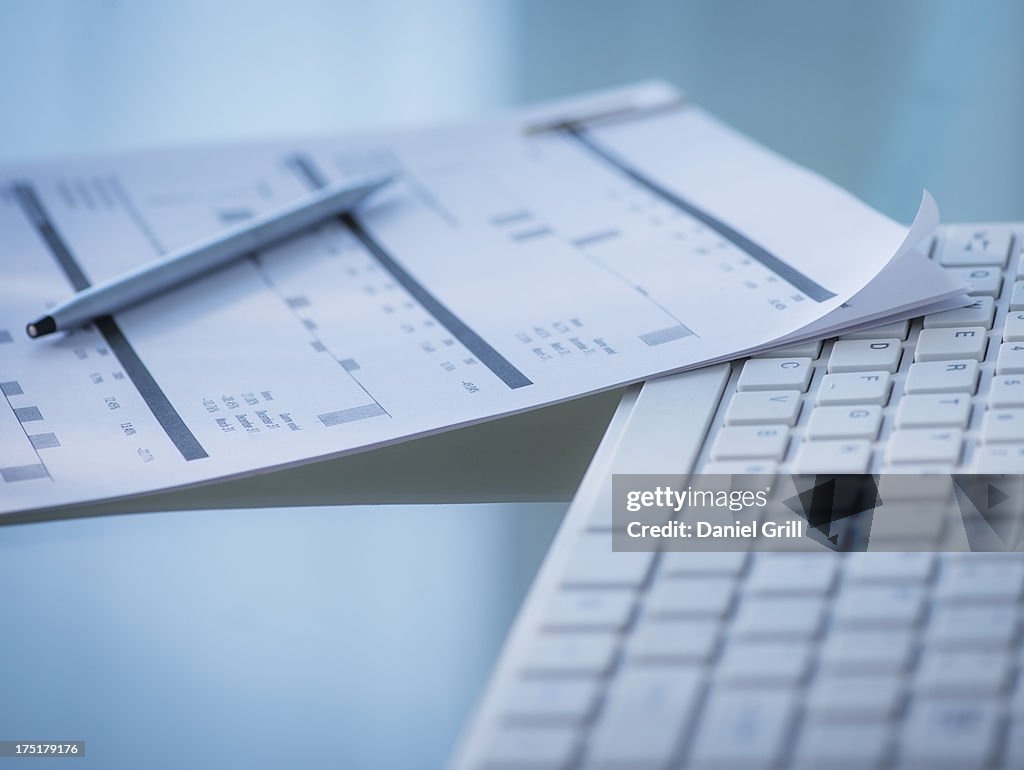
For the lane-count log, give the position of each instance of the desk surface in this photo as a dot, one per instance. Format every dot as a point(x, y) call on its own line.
point(301, 637)
point(287, 637)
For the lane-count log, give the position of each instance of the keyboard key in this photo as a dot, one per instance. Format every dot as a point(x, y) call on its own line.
point(762, 407)
point(668, 598)
point(771, 617)
point(1006, 390)
point(1011, 358)
point(897, 329)
point(984, 281)
point(998, 458)
point(908, 524)
point(859, 651)
point(865, 605)
point(915, 486)
point(854, 696)
point(687, 564)
point(943, 377)
point(1013, 328)
point(855, 388)
point(792, 574)
point(548, 701)
point(950, 733)
point(951, 344)
point(673, 640)
point(738, 442)
point(775, 374)
point(889, 567)
point(841, 746)
point(831, 422)
point(811, 349)
point(740, 467)
point(964, 626)
point(1003, 425)
point(579, 654)
point(1017, 296)
point(921, 469)
point(865, 355)
point(922, 484)
point(966, 246)
point(752, 482)
point(593, 563)
point(963, 672)
point(782, 664)
point(833, 457)
point(539, 748)
point(918, 445)
point(743, 729)
point(974, 580)
point(644, 717)
point(980, 312)
point(590, 609)
point(933, 410)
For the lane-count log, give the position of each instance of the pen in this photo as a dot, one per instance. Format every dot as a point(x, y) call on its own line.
point(179, 266)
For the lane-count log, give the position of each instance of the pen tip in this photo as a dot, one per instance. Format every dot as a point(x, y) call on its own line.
point(42, 327)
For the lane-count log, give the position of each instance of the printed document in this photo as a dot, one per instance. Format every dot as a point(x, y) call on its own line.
point(517, 261)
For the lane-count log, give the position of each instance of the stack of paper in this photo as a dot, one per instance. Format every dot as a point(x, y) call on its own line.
point(519, 261)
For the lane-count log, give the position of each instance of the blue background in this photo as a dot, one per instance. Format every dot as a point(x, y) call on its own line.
point(883, 96)
point(280, 638)
point(359, 637)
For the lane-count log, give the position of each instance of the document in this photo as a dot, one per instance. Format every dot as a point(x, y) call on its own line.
point(517, 261)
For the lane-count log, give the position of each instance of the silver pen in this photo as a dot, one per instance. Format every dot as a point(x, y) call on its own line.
point(180, 266)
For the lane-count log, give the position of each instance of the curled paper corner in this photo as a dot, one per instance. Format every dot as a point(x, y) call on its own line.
point(925, 223)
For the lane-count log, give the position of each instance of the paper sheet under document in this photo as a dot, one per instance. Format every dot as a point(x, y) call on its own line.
point(506, 269)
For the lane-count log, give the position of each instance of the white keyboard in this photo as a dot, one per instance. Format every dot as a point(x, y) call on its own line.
point(775, 660)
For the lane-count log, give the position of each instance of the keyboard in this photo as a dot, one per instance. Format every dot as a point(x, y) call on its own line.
point(789, 660)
